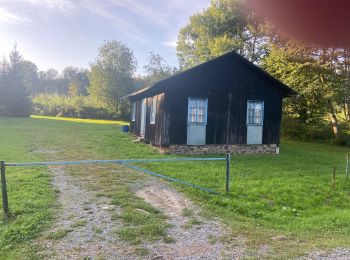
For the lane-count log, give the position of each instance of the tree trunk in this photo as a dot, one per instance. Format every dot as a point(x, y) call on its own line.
point(334, 120)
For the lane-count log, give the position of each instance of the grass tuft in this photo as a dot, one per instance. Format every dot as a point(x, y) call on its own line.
point(79, 223)
point(58, 234)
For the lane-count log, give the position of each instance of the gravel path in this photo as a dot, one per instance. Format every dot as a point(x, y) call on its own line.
point(337, 254)
point(195, 237)
point(83, 228)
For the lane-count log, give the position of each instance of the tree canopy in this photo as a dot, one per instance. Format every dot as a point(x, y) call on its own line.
point(111, 75)
point(15, 81)
point(319, 75)
point(225, 26)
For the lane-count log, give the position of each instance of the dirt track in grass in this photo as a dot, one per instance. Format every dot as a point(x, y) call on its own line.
point(194, 236)
point(85, 229)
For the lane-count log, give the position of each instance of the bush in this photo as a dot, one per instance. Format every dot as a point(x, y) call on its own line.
point(343, 140)
point(63, 106)
point(294, 129)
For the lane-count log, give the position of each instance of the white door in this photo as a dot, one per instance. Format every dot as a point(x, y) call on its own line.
point(143, 117)
point(255, 120)
point(197, 120)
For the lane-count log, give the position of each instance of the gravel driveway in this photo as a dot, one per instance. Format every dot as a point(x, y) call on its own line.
point(84, 227)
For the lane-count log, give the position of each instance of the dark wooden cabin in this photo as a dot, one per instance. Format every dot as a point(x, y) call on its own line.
point(225, 104)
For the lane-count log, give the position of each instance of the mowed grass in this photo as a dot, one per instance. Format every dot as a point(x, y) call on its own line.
point(47, 139)
point(31, 198)
point(286, 201)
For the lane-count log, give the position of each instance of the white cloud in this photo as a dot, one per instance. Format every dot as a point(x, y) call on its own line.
point(65, 6)
point(103, 11)
point(171, 44)
point(186, 5)
point(143, 9)
point(8, 17)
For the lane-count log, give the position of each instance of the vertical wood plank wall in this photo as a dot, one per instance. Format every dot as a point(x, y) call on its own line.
point(228, 76)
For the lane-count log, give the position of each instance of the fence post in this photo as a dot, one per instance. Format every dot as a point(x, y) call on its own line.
point(5, 203)
point(347, 168)
point(228, 160)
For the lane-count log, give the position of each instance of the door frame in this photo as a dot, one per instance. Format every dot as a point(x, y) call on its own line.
point(260, 125)
point(143, 117)
point(194, 125)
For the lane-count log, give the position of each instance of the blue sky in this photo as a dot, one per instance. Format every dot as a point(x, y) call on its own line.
point(60, 33)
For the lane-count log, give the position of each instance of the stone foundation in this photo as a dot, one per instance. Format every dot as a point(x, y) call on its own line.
point(223, 149)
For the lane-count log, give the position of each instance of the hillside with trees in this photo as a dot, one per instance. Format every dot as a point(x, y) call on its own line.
point(77, 92)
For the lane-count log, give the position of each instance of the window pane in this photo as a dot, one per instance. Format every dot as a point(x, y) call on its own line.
point(153, 110)
point(255, 112)
point(258, 106)
point(133, 112)
point(257, 117)
point(197, 110)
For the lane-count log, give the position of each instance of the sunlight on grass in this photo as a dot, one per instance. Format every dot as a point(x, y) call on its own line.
point(290, 194)
point(79, 120)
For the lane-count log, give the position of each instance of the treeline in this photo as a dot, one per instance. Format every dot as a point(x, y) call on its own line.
point(319, 75)
point(75, 92)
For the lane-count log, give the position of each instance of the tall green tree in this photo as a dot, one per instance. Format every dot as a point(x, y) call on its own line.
point(157, 69)
point(111, 76)
point(77, 81)
point(14, 100)
point(50, 81)
point(225, 26)
point(30, 76)
point(313, 73)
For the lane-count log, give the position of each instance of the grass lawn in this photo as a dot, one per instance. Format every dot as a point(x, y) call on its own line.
point(286, 201)
point(31, 198)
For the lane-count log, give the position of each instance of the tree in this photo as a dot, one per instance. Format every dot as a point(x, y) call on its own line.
point(30, 76)
point(111, 76)
point(77, 81)
point(312, 72)
point(4, 84)
point(157, 69)
point(225, 26)
point(14, 99)
point(50, 81)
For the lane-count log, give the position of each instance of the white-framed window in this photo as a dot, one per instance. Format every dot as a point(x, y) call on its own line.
point(133, 111)
point(153, 112)
point(197, 111)
point(255, 112)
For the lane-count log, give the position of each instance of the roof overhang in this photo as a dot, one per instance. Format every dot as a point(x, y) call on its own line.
point(162, 86)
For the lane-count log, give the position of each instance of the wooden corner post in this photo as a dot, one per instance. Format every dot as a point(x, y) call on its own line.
point(5, 203)
point(228, 160)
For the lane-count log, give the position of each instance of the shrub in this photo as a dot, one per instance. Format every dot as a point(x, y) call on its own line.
point(294, 129)
point(343, 140)
point(78, 107)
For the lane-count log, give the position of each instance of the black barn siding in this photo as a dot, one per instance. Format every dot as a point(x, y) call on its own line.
point(227, 80)
point(157, 133)
point(136, 125)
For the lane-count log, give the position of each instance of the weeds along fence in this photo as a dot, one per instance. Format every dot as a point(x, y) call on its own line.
point(127, 163)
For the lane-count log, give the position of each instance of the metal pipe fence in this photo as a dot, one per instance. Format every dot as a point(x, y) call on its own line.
point(126, 162)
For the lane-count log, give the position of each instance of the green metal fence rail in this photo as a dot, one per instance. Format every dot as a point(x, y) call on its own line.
point(127, 163)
